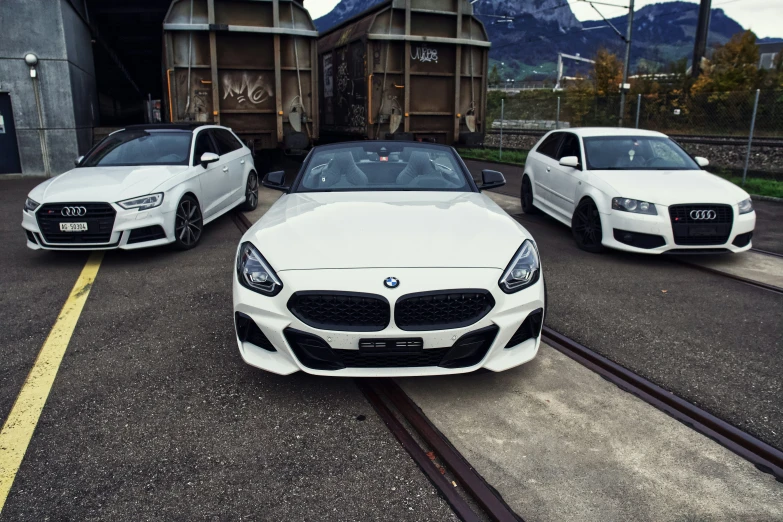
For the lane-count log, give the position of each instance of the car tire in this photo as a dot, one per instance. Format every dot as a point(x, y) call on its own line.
point(526, 196)
point(251, 193)
point(188, 223)
point(586, 227)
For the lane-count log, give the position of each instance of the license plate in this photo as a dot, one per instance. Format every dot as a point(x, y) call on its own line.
point(73, 227)
point(702, 231)
point(391, 345)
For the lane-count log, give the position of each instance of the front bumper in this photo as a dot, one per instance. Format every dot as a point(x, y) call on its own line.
point(272, 317)
point(125, 222)
point(616, 224)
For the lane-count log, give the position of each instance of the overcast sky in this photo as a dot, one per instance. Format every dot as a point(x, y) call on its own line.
point(762, 16)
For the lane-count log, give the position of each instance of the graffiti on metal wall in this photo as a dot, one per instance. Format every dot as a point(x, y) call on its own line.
point(342, 77)
point(246, 87)
point(424, 54)
point(356, 116)
point(328, 79)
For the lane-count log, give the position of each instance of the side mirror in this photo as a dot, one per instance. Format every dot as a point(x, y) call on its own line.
point(275, 180)
point(570, 161)
point(207, 158)
point(702, 162)
point(491, 179)
point(78, 161)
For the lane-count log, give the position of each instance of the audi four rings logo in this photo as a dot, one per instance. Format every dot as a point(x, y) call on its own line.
point(703, 214)
point(73, 211)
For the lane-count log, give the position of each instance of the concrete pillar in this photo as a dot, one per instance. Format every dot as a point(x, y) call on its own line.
point(54, 32)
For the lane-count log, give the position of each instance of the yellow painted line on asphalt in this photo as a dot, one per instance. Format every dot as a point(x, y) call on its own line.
point(21, 422)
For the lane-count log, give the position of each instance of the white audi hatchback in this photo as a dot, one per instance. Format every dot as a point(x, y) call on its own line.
point(143, 186)
point(385, 259)
point(635, 190)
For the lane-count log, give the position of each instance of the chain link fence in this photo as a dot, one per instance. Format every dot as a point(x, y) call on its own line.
point(719, 114)
point(718, 121)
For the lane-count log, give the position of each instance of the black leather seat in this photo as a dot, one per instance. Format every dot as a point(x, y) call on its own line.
point(419, 165)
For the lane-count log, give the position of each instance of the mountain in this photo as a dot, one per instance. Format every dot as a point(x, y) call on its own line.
point(662, 33)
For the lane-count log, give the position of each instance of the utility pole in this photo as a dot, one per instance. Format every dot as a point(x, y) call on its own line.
point(702, 30)
point(623, 89)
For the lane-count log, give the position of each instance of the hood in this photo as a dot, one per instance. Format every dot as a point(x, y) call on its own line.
point(109, 184)
point(672, 187)
point(386, 229)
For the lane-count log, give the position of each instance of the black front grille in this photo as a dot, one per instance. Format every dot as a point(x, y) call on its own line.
point(344, 311)
point(442, 309)
point(691, 231)
point(362, 359)
point(98, 216)
point(150, 233)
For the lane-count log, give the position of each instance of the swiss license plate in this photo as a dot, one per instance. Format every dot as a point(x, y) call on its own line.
point(73, 227)
point(702, 231)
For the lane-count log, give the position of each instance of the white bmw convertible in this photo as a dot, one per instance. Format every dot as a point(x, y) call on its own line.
point(143, 186)
point(635, 190)
point(385, 259)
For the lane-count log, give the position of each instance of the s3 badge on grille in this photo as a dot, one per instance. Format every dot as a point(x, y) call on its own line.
point(391, 282)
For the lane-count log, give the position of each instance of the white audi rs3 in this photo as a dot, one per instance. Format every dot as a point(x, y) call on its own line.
point(143, 186)
point(385, 259)
point(635, 190)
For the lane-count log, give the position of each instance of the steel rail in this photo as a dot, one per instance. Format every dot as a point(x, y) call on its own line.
point(485, 495)
point(766, 252)
point(758, 284)
point(765, 457)
point(460, 506)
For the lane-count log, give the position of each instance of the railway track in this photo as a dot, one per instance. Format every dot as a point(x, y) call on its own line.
point(466, 491)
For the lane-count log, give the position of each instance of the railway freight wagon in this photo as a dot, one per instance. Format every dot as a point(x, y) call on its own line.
point(405, 69)
point(244, 64)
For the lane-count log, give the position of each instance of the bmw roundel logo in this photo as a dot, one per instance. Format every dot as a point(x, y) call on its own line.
point(391, 282)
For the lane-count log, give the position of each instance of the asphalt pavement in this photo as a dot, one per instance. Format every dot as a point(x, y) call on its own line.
point(34, 286)
point(153, 414)
point(711, 340)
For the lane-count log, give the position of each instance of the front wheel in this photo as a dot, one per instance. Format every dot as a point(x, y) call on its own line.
point(527, 197)
point(586, 227)
point(188, 223)
point(251, 193)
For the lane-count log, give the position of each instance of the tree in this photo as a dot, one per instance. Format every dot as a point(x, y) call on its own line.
point(734, 66)
point(494, 75)
point(607, 73)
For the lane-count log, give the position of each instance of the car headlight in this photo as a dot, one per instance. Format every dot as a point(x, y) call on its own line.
point(254, 273)
point(745, 206)
point(143, 202)
point(634, 205)
point(524, 269)
point(30, 205)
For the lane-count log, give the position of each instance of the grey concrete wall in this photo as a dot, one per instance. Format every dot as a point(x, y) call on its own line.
point(66, 80)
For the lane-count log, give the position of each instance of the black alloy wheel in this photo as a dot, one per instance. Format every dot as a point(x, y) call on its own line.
point(251, 193)
point(188, 223)
point(527, 197)
point(586, 227)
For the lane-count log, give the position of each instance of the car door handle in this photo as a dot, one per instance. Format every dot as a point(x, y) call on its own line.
point(242, 162)
point(225, 169)
point(548, 169)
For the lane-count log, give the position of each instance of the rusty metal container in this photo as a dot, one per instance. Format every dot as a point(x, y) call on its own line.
point(405, 69)
point(244, 64)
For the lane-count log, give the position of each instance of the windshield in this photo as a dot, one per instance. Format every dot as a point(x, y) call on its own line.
point(141, 147)
point(377, 166)
point(636, 153)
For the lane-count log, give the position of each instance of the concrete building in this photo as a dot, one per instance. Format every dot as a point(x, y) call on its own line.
point(54, 104)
